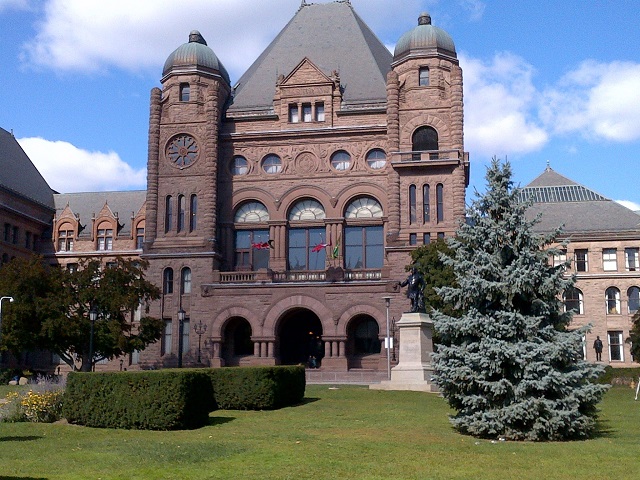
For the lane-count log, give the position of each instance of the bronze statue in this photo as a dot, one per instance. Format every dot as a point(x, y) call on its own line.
point(415, 290)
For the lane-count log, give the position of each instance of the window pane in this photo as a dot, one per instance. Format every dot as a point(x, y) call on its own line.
point(293, 114)
point(615, 345)
point(239, 166)
point(297, 249)
point(412, 204)
point(424, 76)
point(306, 112)
point(439, 203)
point(341, 160)
point(609, 263)
point(320, 112)
point(582, 264)
point(631, 259)
point(374, 247)
point(376, 159)
point(272, 164)
point(634, 299)
point(425, 203)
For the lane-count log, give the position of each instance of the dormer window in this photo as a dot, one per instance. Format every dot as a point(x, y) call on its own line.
point(306, 112)
point(105, 237)
point(424, 77)
point(65, 238)
point(185, 92)
point(320, 112)
point(294, 116)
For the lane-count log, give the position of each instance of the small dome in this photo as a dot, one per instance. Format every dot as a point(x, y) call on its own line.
point(425, 39)
point(194, 56)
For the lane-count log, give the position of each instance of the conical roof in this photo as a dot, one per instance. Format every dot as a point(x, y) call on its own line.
point(424, 40)
point(333, 37)
point(194, 56)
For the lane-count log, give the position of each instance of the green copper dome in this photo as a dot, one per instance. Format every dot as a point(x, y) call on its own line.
point(194, 56)
point(425, 39)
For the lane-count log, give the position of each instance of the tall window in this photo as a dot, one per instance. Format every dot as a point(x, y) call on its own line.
point(439, 203)
point(616, 352)
point(105, 238)
point(306, 112)
point(185, 92)
point(307, 245)
point(168, 213)
point(167, 281)
point(293, 114)
point(252, 249)
point(27, 240)
point(185, 281)
point(412, 204)
point(631, 259)
point(65, 238)
point(634, 299)
point(140, 236)
point(581, 260)
point(612, 297)
point(363, 247)
point(426, 238)
point(193, 213)
point(186, 331)
point(609, 263)
point(424, 139)
point(7, 232)
point(573, 301)
point(424, 76)
point(15, 234)
point(165, 347)
point(426, 216)
point(320, 112)
point(182, 206)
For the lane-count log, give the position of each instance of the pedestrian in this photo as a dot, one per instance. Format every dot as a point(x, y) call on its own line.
point(597, 346)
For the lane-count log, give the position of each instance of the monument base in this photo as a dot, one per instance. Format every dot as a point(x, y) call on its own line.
point(414, 369)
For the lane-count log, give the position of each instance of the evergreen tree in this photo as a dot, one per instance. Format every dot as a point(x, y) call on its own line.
point(634, 337)
point(508, 364)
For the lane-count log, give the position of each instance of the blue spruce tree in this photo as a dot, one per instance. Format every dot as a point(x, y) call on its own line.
point(509, 365)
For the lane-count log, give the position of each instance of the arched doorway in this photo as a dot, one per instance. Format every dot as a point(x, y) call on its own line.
point(237, 343)
point(300, 338)
point(363, 342)
point(425, 139)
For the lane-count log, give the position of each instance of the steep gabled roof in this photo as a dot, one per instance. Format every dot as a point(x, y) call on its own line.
point(563, 202)
point(87, 204)
point(19, 175)
point(333, 37)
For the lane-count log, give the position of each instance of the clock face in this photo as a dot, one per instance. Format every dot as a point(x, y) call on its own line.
point(182, 150)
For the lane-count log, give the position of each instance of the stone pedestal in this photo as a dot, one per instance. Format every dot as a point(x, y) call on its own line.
point(414, 369)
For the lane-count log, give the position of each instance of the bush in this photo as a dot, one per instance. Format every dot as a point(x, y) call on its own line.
point(151, 400)
point(257, 388)
point(42, 403)
point(619, 376)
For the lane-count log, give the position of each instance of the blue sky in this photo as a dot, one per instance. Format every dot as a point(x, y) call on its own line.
point(545, 81)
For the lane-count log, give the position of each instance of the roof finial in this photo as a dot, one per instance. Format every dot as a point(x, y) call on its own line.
point(303, 3)
point(548, 165)
point(424, 19)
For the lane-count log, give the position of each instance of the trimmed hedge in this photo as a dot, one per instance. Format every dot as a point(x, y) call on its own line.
point(150, 400)
point(258, 388)
point(619, 376)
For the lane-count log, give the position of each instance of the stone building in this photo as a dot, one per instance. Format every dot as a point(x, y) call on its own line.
point(602, 250)
point(280, 210)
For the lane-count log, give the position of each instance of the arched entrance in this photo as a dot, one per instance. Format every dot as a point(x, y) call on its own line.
point(300, 338)
point(237, 342)
point(363, 342)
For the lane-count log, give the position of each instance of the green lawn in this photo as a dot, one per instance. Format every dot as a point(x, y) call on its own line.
point(348, 433)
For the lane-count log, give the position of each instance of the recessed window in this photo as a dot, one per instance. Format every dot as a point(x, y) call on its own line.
point(413, 239)
point(185, 92)
point(307, 248)
point(616, 353)
point(612, 298)
point(581, 260)
point(412, 204)
point(440, 235)
point(294, 116)
point(252, 249)
point(363, 247)
point(168, 213)
point(341, 160)
point(185, 281)
point(251, 212)
point(307, 210)
point(105, 238)
point(139, 237)
point(167, 281)
point(631, 259)
point(182, 206)
point(426, 207)
point(272, 164)
point(426, 238)
point(193, 212)
point(425, 139)
point(560, 258)
point(376, 159)
point(320, 112)
point(306, 112)
point(609, 263)
point(440, 203)
point(165, 348)
point(424, 76)
point(65, 238)
point(239, 166)
point(363, 207)
point(634, 299)
point(573, 301)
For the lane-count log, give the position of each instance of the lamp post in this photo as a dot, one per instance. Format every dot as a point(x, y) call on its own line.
point(181, 315)
point(93, 315)
point(387, 340)
point(2, 300)
point(200, 328)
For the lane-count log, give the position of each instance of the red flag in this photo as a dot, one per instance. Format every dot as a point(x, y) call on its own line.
point(320, 246)
point(261, 245)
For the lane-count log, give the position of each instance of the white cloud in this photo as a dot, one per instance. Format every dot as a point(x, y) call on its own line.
point(475, 8)
point(68, 168)
point(500, 101)
point(599, 100)
point(630, 205)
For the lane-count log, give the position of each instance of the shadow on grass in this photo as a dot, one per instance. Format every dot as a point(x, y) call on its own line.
point(603, 429)
point(3, 477)
point(307, 400)
point(26, 438)
point(213, 421)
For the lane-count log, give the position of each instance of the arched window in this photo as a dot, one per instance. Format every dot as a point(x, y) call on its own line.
point(167, 281)
point(307, 245)
point(105, 236)
point(363, 207)
point(412, 204)
point(168, 213)
point(182, 206)
point(426, 207)
point(634, 299)
point(573, 301)
point(140, 235)
point(272, 164)
point(252, 246)
point(66, 232)
point(425, 139)
point(440, 203)
point(185, 92)
point(239, 166)
point(341, 160)
point(366, 337)
point(363, 244)
point(612, 297)
point(185, 281)
point(376, 159)
point(193, 213)
point(424, 77)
